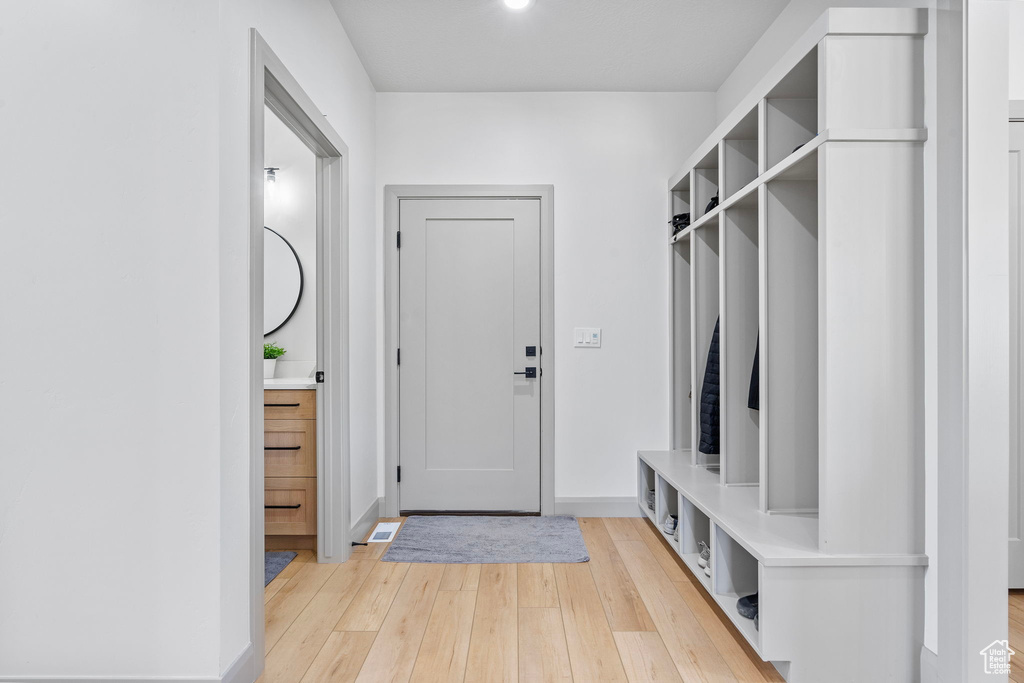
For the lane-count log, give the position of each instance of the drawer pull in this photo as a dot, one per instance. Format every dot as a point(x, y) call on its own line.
point(281, 448)
point(281, 405)
point(283, 507)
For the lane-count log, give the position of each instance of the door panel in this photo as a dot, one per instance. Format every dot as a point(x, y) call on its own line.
point(470, 305)
point(469, 344)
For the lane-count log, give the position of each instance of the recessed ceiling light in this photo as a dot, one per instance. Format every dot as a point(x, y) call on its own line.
point(518, 4)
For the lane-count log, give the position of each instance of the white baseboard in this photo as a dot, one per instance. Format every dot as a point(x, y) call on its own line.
point(929, 667)
point(243, 669)
point(366, 520)
point(111, 679)
point(617, 506)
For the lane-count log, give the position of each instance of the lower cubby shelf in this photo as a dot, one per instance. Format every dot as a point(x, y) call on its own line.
point(736, 574)
point(666, 505)
point(805, 596)
point(690, 560)
point(645, 484)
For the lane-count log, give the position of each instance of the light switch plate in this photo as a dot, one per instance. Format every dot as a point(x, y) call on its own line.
point(587, 337)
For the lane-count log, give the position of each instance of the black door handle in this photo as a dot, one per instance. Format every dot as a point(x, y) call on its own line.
point(281, 448)
point(280, 405)
point(283, 507)
point(530, 373)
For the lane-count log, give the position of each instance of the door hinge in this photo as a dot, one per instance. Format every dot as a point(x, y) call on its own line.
point(399, 357)
point(398, 240)
point(320, 377)
point(399, 474)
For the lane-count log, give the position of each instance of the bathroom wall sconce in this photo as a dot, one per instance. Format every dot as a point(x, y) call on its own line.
point(271, 175)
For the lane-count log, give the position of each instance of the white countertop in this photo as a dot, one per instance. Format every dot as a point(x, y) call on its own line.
point(290, 383)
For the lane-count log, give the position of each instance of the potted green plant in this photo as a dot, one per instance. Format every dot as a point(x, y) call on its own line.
point(271, 352)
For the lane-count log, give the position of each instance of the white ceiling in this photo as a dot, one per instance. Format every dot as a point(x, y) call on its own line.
point(585, 45)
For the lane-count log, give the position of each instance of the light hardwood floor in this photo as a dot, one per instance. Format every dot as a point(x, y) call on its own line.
point(633, 613)
point(1017, 636)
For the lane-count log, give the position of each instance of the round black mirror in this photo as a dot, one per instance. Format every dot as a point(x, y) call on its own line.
point(282, 281)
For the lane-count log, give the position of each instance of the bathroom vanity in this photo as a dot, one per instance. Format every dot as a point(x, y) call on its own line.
point(290, 464)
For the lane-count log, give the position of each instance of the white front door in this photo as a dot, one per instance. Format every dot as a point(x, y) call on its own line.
point(1016, 356)
point(469, 425)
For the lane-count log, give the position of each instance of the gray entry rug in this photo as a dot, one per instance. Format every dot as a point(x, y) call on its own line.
point(488, 540)
point(273, 563)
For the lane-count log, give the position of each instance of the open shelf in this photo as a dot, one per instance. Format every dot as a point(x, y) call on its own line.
point(740, 155)
point(705, 183)
point(694, 529)
point(667, 506)
point(680, 199)
point(735, 572)
point(646, 482)
point(791, 111)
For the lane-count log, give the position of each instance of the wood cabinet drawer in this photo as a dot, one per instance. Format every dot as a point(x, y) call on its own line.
point(289, 448)
point(289, 404)
point(289, 506)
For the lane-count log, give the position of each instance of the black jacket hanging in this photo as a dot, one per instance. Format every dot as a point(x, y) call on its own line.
point(754, 395)
point(710, 416)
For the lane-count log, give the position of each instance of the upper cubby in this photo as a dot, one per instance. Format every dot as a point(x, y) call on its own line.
point(680, 202)
point(740, 164)
point(791, 111)
point(705, 183)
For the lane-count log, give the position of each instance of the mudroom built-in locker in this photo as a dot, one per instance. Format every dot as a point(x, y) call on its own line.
point(795, 480)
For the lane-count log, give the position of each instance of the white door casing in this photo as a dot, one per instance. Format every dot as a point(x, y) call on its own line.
point(470, 306)
point(1016, 549)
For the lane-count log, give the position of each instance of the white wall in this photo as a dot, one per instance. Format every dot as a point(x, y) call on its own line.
point(290, 210)
point(1016, 24)
point(109, 498)
point(609, 156)
point(123, 420)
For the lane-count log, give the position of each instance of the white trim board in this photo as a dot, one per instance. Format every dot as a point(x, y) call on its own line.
point(596, 506)
point(393, 194)
point(366, 520)
point(929, 666)
point(241, 670)
point(112, 679)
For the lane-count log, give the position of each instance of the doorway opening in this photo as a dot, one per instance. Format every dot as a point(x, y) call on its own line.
point(298, 301)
